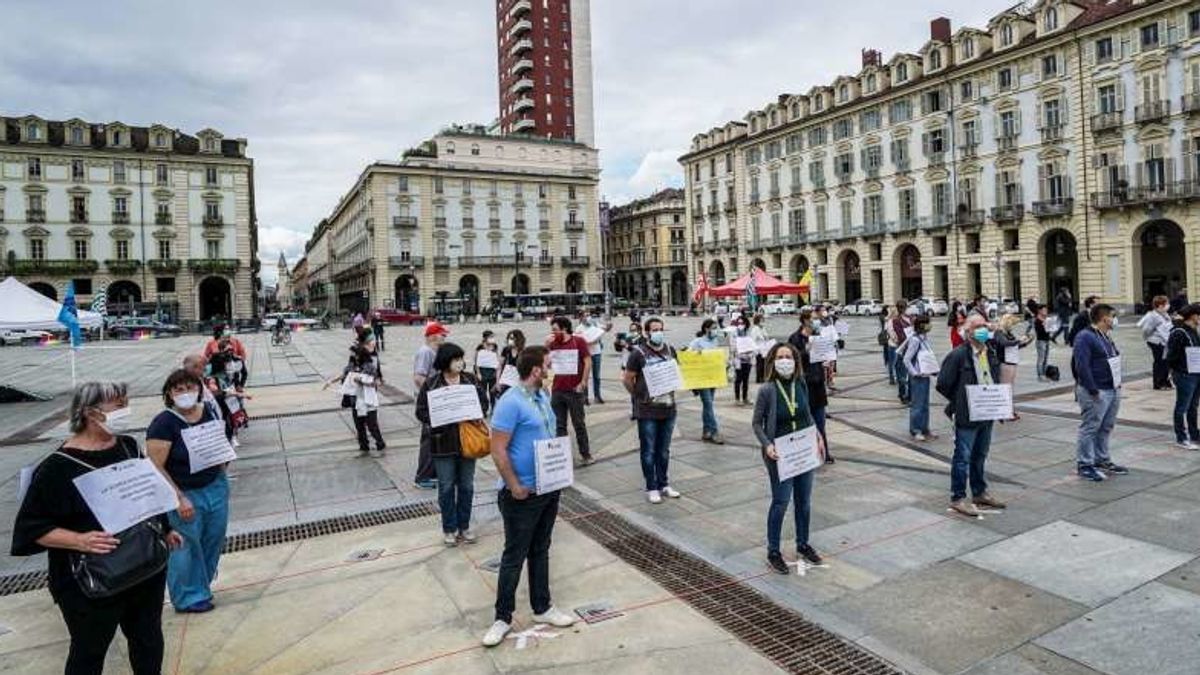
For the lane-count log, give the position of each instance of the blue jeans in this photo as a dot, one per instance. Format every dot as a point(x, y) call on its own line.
point(1099, 417)
point(1043, 355)
point(918, 410)
point(971, 446)
point(797, 490)
point(889, 360)
point(1187, 396)
point(596, 377)
point(192, 567)
point(900, 372)
point(456, 491)
point(708, 414)
point(654, 437)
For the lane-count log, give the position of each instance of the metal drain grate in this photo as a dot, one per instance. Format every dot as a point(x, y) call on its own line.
point(36, 580)
point(780, 634)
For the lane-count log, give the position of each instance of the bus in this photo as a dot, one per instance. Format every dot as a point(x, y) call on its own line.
point(507, 306)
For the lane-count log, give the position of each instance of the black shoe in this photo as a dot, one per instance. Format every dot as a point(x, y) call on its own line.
point(775, 560)
point(809, 554)
point(829, 459)
point(1112, 469)
point(599, 400)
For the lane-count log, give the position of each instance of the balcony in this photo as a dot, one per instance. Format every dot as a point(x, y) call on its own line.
point(1006, 143)
point(729, 244)
point(543, 224)
point(398, 262)
point(493, 223)
point(574, 261)
point(872, 172)
point(521, 8)
point(54, 267)
point(439, 222)
point(903, 165)
point(754, 198)
point(573, 226)
point(162, 219)
point(1052, 133)
point(1053, 208)
point(755, 245)
point(936, 158)
point(844, 178)
point(441, 262)
point(712, 210)
point(712, 245)
point(404, 222)
point(523, 103)
point(519, 224)
point(730, 207)
point(521, 27)
point(215, 221)
point(968, 217)
point(521, 46)
point(120, 217)
point(523, 124)
point(1190, 103)
point(79, 217)
point(214, 265)
point(774, 193)
point(544, 261)
point(904, 224)
point(522, 66)
point(1008, 214)
point(969, 149)
point(125, 266)
point(468, 223)
point(1154, 111)
point(1106, 121)
point(164, 265)
point(521, 85)
point(698, 246)
point(795, 191)
point(487, 261)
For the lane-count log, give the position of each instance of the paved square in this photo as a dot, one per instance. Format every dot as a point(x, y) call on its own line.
point(1076, 562)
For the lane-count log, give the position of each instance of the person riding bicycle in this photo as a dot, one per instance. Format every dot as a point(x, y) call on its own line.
point(280, 328)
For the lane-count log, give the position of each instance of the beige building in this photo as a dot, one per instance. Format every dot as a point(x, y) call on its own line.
point(319, 279)
point(465, 218)
point(158, 219)
point(1058, 146)
point(645, 250)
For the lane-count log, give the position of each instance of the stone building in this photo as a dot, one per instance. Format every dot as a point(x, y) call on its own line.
point(645, 250)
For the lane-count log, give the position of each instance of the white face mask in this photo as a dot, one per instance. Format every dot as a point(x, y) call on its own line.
point(785, 367)
point(185, 401)
point(117, 420)
point(1115, 322)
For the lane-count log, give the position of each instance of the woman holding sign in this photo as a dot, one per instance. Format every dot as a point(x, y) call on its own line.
point(514, 342)
point(709, 337)
point(791, 449)
point(55, 517)
point(442, 398)
point(187, 442)
point(743, 349)
point(922, 365)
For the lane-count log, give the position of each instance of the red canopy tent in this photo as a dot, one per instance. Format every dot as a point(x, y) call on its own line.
point(764, 284)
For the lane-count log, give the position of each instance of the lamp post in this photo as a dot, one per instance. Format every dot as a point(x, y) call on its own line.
point(996, 260)
point(814, 289)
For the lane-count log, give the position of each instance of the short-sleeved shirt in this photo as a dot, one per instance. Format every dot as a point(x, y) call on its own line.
point(168, 426)
point(645, 408)
point(527, 418)
point(570, 382)
point(423, 361)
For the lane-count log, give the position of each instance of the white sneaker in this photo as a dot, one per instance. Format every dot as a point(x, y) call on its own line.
point(450, 539)
point(654, 497)
point(495, 634)
point(671, 492)
point(919, 437)
point(468, 536)
point(554, 617)
point(1187, 445)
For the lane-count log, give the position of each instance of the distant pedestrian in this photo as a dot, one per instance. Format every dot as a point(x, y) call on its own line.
point(899, 327)
point(955, 320)
point(1064, 307)
point(1155, 325)
point(1082, 320)
point(1184, 337)
point(377, 325)
point(514, 343)
point(758, 331)
point(1009, 346)
point(655, 414)
point(596, 351)
point(1179, 301)
point(570, 387)
point(709, 337)
point(1041, 341)
point(743, 362)
point(357, 322)
point(920, 362)
point(485, 374)
point(435, 335)
point(1096, 364)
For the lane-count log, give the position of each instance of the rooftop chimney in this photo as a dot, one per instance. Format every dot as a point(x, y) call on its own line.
point(939, 29)
point(871, 57)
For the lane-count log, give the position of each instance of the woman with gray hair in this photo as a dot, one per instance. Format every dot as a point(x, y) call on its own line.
point(54, 518)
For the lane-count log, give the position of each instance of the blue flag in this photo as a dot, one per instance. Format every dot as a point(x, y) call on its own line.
point(69, 316)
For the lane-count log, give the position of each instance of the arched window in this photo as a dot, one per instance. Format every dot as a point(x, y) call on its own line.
point(1006, 34)
point(795, 111)
point(843, 93)
point(935, 59)
point(901, 72)
point(1051, 20)
point(774, 118)
point(871, 83)
point(160, 139)
point(968, 48)
point(33, 132)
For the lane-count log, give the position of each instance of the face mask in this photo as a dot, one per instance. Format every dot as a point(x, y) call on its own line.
point(785, 367)
point(185, 401)
point(1115, 322)
point(117, 420)
point(657, 337)
point(982, 334)
point(511, 342)
point(457, 365)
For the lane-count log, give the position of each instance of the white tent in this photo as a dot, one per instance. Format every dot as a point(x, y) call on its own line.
point(23, 307)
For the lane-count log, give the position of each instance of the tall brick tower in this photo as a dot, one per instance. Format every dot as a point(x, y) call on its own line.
point(544, 51)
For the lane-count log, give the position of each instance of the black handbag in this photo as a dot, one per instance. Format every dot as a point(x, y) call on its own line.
point(140, 554)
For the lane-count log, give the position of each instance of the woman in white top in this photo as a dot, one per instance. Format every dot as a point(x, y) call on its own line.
point(919, 360)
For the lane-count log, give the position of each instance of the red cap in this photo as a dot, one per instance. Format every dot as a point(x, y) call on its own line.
point(435, 328)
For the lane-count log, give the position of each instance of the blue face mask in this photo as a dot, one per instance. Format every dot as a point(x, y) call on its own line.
point(656, 337)
point(982, 334)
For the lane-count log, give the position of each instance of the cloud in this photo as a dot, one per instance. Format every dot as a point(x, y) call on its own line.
point(272, 240)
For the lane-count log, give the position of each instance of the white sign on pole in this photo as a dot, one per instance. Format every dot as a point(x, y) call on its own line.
point(822, 350)
point(124, 494)
point(662, 377)
point(989, 402)
point(842, 326)
point(1012, 355)
point(797, 453)
point(927, 363)
point(745, 345)
point(564, 361)
point(486, 358)
point(207, 445)
point(454, 403)
point(1114, 364)
point(509, 377)
point(554, 469)
point(1193, 359)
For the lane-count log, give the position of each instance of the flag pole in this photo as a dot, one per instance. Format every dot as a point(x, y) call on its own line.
point(72, 367)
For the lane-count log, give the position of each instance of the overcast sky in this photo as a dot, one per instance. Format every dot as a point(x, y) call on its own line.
point(320, 88)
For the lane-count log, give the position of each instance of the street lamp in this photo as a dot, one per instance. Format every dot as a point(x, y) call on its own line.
point(996, 260)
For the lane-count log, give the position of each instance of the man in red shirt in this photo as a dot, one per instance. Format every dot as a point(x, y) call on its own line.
point(571, 363)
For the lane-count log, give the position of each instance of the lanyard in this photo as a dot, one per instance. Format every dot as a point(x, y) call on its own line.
point(789, 402)
point(537, 403)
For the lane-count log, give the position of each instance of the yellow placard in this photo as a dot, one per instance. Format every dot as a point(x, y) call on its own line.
point(703, 369)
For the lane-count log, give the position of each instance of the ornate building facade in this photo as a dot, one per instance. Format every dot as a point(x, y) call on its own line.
point(1059, 146)
point(465, 217)
point(161, 220)
point(645, 250)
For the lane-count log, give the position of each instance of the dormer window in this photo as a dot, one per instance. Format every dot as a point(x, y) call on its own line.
point(843, 94)
point(935, 59)
point(871, 83)
point(818, 103)
point(1006, 34)
point(1050, 20)
point(795, 111)
point(33, 132)
point(210, 144)
point(774, 118)
point(160, 140)
point(76, 135)
point(901, 72)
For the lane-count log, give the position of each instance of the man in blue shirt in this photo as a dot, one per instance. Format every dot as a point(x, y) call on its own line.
point(522, 417)
point(1096, 365)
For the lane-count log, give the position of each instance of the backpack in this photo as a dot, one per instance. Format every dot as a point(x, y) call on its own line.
point(1053, 373)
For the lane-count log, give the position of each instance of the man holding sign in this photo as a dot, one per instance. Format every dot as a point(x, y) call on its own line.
point(571, 364)
point(522, 427)
point(970, 366)
point(1183, 356)
point(1096, 364)
point(651, 378)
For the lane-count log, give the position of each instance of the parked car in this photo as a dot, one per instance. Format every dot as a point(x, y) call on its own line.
point(864, 307)
point(779, 307)
point(402, 316)
point(136, 326)
point(19, 336)
point(292, 319)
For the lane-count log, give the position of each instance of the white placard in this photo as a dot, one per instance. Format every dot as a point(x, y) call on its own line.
point(564, 361)
point(486, 358)
point(554, 468)
point(765, 346)
point(662, 377)
point(1052, 324)
point(1114, 364)
point(1012, 355)
point(842, 327)
point(822, 350)
point(124, 494)
point(24, 480)
point(797, 453)
point(989, 402)
point(592, 334)
point(927, 363)
point(908, 332)
point(1193, 359)
point(829, 333)
point(453, 403)
point(509, 377)
point(745, 345)
point(207, 445)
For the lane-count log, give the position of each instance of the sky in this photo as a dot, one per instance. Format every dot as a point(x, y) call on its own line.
point(320, 89)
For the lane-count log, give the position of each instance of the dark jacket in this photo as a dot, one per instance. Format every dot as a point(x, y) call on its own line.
point(1063, 305)
point(958, 371)
point(444, 440)
point(765, 406)
point(1089, 360)
point(1182, 336)
point(814, 373)
point(1079, 324)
